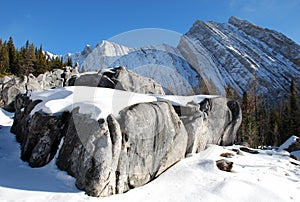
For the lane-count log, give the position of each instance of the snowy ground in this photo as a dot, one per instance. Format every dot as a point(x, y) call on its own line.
point(267, 176)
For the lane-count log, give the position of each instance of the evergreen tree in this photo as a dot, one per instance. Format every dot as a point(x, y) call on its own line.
point(13, 56)
point(248, 131)
point(290, 116)
point(29, 59)
point(294, 110)
point(228, 90)
point(41, 64)
point(231, 93)
point(26, 59)
point(262, 118)
point(55, 63)
point(285, 130)
point(69, 62)
point(4, 58)
point(272, 137)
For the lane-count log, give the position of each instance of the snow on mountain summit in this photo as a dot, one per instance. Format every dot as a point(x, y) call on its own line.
point(163, 63)
point(211, 56)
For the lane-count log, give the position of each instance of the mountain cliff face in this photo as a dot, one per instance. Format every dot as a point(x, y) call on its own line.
point(242, 54)
point(209, 56)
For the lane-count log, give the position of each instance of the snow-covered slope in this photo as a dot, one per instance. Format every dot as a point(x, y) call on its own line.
point(267, 176)
point(163, 63)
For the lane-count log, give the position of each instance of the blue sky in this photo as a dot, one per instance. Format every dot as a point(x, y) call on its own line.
point(67, 26)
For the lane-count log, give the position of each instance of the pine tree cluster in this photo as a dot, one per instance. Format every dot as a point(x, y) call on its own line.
point(266, 123)
point(28, 59)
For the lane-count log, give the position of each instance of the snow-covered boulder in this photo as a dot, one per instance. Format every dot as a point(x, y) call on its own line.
point(117, 140)
point(121, 79)
point(10, 89)
point(212, 121)
point(156, 139)
point(90, 152)
point(111, 156)
point(292, 145)
point(295, 146)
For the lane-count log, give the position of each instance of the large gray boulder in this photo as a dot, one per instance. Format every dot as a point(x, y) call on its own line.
point(294, 146)
point(195, 122)
point(11, 86)
point(113, 155)
point(23, 107)
point(90, 153)
point(3, 80)
point(9, 91)
point(109, 157)
point(225, 117)
point(121, 79)
point(212, 121)
point(51, 79)
point(116, 78)
point(40, 144)
point(154, 139)
point(32, 84)
point(39, 135)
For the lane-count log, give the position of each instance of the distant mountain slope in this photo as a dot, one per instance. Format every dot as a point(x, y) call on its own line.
point(210, 54)
point(163, 63)
point(242, 54)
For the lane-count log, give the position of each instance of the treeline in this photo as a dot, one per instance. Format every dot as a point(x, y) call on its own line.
point(28, 59)
point(265, 123)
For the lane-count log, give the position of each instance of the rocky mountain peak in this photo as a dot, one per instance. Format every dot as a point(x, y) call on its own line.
point(236, 21)
point(242, 55)
point(87, 50)
point(112, 49)
point(210, 55)
point(275, 40)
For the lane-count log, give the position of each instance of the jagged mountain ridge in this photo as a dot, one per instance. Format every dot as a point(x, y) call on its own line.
point(237, 53)
point(245, 55)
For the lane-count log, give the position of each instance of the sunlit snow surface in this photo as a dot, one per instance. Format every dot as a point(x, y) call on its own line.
point(99, 102)
point(267, 176)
